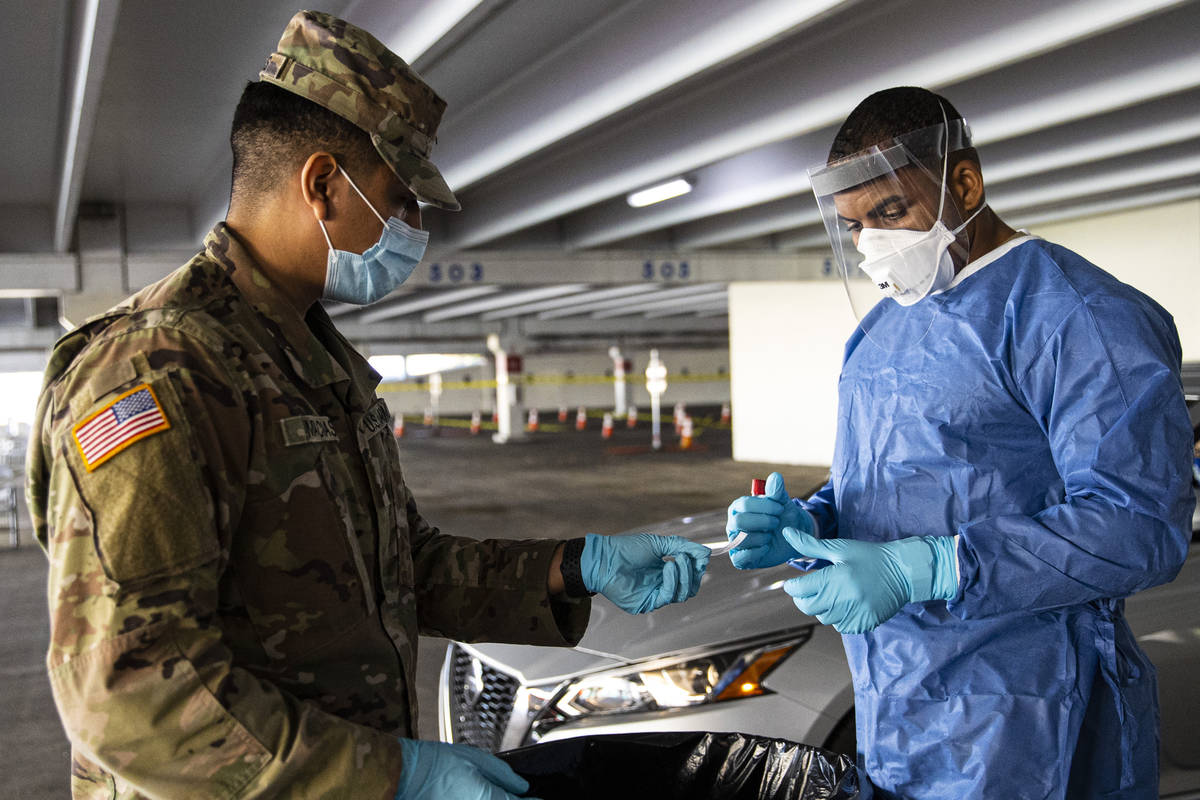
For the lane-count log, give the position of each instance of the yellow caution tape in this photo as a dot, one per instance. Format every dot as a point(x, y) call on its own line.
point(700, 423)
point(551, 380)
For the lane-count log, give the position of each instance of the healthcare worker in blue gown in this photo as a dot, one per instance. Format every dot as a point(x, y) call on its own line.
point(1012, 460)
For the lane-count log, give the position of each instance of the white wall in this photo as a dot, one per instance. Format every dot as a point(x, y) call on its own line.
point(785, 348)
point(1155, 249)
point(786, 339)
point(600, 396)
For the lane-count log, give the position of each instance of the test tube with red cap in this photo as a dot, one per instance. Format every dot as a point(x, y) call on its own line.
point(758, 487)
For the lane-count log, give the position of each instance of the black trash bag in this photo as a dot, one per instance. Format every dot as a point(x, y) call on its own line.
point(711, 766)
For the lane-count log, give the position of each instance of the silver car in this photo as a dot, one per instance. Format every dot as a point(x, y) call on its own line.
point(739, 657)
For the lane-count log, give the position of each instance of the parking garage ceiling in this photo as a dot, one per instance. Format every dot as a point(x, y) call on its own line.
point(559, 110)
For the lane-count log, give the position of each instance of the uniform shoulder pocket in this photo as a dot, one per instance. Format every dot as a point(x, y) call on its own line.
point(139, 473)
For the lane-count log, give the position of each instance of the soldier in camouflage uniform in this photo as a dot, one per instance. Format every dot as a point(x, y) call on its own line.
point(238, 572)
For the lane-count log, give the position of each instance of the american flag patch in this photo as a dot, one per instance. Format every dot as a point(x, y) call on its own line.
point(134, 415)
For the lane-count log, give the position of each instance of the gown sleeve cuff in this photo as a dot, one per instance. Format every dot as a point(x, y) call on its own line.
point(946, 579)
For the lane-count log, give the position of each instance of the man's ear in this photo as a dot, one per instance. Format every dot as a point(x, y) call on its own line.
point(966, 182)
point(319, 168)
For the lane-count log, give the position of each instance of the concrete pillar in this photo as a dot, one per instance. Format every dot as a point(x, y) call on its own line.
point(435, 396)
point(621, 393)
point(656, 384)
point(509, 411)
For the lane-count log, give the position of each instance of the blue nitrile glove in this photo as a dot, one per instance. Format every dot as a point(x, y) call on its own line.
point(763, 518)
point(630, 570)
point(436, 770)
point(869, 582)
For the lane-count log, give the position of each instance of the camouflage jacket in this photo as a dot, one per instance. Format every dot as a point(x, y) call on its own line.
point(238, 572)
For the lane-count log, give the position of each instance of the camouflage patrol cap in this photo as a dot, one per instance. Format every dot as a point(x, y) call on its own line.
point(345, 69)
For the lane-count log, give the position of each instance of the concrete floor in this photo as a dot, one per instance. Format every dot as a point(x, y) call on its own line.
point(556, 485)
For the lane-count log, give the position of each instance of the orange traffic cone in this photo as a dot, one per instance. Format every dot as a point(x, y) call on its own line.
point(532, 424)
point(607, 428)
point(476, 422)
point(495, 415)
point(685, 434)
point(399, 429)
point(725, 414)
point(631, 417)
point(581, 419)
point(562, 413)
point(428, 420)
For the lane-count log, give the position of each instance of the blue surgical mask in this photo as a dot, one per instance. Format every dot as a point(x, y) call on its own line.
point(363, 279)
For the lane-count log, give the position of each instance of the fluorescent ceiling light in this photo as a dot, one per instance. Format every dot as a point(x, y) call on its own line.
point(656, 194)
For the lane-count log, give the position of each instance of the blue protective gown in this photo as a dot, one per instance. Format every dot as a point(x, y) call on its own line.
point(1042, 419)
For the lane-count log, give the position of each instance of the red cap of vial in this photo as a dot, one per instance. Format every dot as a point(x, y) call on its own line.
point(758, 486)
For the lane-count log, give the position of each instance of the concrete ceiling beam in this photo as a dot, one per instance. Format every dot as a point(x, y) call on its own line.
point(94, 24)
point(1122, 111)
point(781, 97)
point(38, 274)
point(661, 43)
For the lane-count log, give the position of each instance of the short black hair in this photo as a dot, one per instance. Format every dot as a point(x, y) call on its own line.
point(890, 113)
point(275, 130)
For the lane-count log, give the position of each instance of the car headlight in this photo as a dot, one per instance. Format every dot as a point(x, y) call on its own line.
point(686, 680)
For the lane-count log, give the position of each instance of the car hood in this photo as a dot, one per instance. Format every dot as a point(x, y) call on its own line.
point(736, 604)
point(731, 604)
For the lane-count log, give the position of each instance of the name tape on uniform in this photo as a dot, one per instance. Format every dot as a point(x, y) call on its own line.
point(306, 429)
point(129, 418)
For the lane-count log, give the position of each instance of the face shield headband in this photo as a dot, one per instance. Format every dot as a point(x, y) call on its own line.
point(917, 149)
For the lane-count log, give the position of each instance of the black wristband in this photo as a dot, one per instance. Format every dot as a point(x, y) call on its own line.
point(571, 572)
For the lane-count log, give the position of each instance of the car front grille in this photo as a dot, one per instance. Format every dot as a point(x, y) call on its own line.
point(481, 701)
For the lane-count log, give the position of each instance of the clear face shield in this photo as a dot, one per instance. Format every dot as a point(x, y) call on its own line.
point(897, 233)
